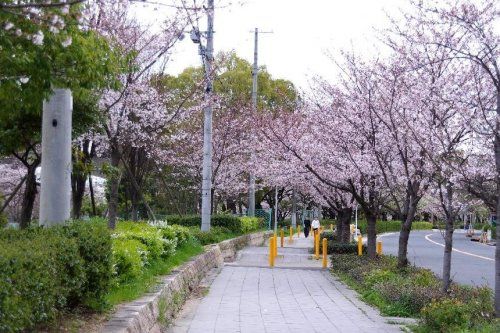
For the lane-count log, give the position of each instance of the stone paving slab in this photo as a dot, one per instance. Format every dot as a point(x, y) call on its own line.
point(257, 299)
point(248, 296)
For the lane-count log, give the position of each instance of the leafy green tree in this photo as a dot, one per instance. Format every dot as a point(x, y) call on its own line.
point(234, 82)
point(29, 71)
point(232, 86)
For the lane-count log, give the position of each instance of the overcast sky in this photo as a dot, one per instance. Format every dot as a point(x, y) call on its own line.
point(304, 32)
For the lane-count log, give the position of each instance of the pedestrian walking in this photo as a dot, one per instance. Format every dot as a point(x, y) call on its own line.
point(315, 225)
point(307, 227)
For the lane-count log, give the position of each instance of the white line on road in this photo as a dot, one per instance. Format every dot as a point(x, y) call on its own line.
point(456, 250)
point(386, 234)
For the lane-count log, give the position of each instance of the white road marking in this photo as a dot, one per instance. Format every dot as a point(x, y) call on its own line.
point(459, 251)
point(386, 234)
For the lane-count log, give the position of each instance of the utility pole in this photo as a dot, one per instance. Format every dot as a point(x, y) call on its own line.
point(255, 73)
point(55, 196)
point(207, 55)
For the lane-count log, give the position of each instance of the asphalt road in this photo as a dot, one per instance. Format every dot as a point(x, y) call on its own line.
point(472, 263)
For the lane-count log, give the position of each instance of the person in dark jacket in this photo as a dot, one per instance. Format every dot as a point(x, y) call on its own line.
point(307, 227)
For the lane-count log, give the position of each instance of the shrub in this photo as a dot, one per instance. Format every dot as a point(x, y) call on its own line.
point(181, 233)
point(46, 270)
point(421, 225)
point(446, 315)
point(478, 299)
point(148, 235)
point(231, 222)
point(249, 224)
point(395, 225)
point(408, 297)
point(379, 275)
point(416, 292)
point(328, 234)
point(130, 256)
point(284, 223)
point(187, 220)
point(342, 248)
point(28, 291)
point(95, 248)
point(3, 219)
point(215, 235)
point(339, 248)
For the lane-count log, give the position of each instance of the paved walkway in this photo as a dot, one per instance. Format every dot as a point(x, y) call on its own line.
point(295, 296)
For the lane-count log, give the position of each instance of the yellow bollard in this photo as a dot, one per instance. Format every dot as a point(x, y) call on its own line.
point(316, 246)
point(360, 245)
point(298, 231)
point(282, 234)
point(325, 251)
point(291, 234)
point(271, 252)
point(379, 247)
point(331, 227)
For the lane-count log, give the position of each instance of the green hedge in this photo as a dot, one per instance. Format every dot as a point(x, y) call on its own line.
point(392, 226)
point(230, 222)
point(137, 245)
point(215, 235)
point(47, 270)
point(43, 271)
point(130, 256)
point(249, 224)
point(335, 247)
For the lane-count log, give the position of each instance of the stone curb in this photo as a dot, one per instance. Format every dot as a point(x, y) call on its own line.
point(154, 310)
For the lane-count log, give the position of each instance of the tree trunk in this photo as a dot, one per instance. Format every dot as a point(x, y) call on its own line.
point(404, 234)
point(240, 206)
point(448, 240)
point(137, 189)
point(340, 226)
point(134, 203)
point(77, 192)
point(114, 183)
point(344, 223)
point(29, 196)
point(231, 205)
point(82, 158)
point(372, 235)
point(92, 197)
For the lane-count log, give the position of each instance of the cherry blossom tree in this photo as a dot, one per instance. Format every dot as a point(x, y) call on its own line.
point(134, 113)
point(467, 31)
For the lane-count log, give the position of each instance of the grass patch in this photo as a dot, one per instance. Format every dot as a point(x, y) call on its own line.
point(162, 308)
point(129, 291)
